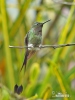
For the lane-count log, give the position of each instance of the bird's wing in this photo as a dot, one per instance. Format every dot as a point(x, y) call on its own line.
point(26, 40)
point(26, 55)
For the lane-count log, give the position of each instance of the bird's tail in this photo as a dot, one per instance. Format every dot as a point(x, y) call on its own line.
point(30, 54)
point(25, 60)
point(27, 56)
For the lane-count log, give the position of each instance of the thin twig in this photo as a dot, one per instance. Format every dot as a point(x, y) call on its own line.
point(43, 46)
point(63, 2)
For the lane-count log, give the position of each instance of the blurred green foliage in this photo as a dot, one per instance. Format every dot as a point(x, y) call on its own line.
point(49, 71)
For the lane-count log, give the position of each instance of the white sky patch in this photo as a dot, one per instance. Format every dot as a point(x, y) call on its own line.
point(13, 12)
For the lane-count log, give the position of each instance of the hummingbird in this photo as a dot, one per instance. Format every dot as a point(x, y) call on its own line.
point(33, 38)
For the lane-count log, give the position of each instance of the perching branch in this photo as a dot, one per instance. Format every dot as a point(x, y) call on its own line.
point(43, 46)
point(63, 2)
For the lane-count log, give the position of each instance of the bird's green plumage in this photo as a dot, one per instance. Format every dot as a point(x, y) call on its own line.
point(33, 38)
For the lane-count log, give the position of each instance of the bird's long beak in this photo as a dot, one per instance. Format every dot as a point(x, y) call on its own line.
point(46, 21)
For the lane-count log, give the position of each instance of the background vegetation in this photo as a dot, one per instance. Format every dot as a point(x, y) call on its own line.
point(49, 71)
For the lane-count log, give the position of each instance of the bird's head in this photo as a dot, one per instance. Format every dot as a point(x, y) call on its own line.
point(38, 24)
